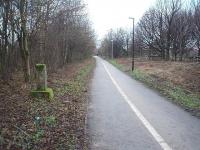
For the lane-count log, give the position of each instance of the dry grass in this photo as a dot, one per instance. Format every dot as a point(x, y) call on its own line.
point(183, 74)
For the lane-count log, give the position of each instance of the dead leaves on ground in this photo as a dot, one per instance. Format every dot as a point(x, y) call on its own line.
point(28, 123)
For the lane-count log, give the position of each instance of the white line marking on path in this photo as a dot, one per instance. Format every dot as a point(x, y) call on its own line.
point(150, 128)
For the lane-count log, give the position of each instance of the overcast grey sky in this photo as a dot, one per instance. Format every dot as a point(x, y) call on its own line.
point(107, 14)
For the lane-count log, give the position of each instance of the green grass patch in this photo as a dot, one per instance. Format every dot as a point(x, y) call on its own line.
point(76, 86)
point(114, 63)
point(188, 101)
point(50, 121)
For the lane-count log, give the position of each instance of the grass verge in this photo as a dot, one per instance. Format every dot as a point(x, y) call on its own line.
point(187, 100)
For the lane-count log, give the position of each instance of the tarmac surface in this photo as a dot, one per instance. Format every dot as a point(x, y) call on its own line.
point(124, 114)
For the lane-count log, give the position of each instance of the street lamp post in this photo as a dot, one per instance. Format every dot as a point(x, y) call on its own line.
point(133, 46)
point(112, 49)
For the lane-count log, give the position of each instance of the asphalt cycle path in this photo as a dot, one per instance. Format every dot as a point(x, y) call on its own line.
point(124, 114)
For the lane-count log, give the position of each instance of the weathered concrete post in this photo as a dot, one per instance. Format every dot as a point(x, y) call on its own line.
point(41, 79)
point(41, 76)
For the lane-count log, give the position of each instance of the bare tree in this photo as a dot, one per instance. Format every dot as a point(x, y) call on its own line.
point(181, 33)
point(170, 8)
point(5, 10)
point(120, 38)
point(196, 21)
point(54, 32)
point(151, 31)
point(157, 29)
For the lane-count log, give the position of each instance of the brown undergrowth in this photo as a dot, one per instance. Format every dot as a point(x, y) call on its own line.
point(29, 123)
point(184, 74)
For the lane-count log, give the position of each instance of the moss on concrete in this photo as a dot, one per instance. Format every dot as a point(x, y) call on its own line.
point(40, 67)
point(48, 93)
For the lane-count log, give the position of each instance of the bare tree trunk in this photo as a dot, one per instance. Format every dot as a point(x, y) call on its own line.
point(168, 44)
point(23, 42)
point(5, 40)
point(163, 54)
point(198, 45)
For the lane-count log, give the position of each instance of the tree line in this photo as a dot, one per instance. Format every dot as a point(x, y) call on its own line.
point(54, 32)
point(169, 30)
point(118, 40)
